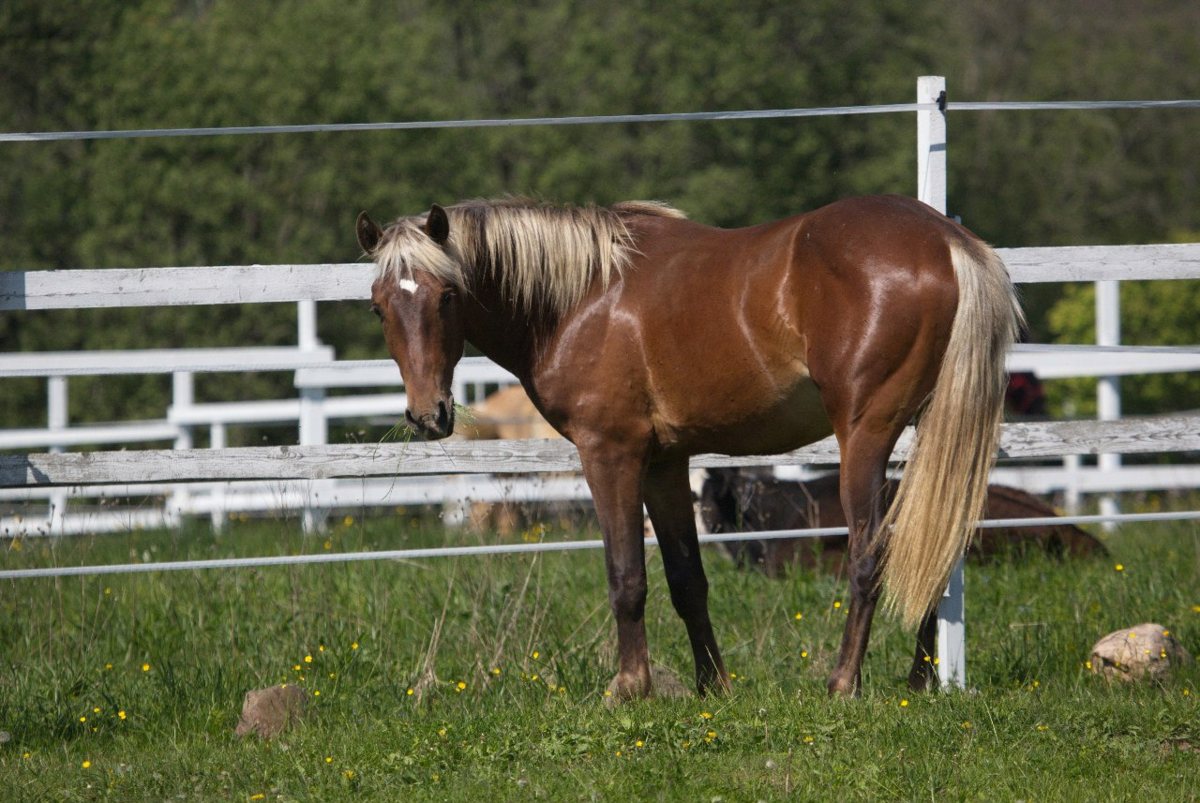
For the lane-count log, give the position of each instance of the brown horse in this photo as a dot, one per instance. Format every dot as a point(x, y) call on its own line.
point(645, 339)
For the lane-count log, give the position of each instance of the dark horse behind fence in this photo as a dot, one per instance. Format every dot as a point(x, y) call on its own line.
point(645, 339)
point(754, 500)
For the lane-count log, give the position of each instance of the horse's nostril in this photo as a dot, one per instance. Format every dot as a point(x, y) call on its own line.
point(408, 416)
point(443, 415)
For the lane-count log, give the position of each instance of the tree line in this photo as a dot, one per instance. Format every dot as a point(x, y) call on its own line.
point(1016, 178)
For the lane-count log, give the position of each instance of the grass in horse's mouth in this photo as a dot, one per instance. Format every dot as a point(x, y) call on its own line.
point(401, 432)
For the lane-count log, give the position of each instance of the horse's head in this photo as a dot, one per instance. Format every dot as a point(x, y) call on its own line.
point(420, 306)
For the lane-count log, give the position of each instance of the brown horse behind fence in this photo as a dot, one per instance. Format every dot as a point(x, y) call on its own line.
point(645, 339)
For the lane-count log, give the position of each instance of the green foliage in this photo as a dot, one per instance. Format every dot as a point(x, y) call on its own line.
point(175, 652)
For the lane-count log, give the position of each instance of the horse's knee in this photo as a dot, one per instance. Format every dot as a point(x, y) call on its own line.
point(864, 574)
point(627, 595)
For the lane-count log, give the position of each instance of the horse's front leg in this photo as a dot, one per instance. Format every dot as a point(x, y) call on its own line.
point(615, 479)
point(669, 502)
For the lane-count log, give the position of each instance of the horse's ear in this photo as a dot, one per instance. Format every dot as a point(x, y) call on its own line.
point(437, 225)
point(368, 231)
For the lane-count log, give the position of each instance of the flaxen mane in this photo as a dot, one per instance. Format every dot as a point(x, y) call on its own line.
point(543, 256)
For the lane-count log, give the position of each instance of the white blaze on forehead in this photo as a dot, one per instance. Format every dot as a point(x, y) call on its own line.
point(408, 285)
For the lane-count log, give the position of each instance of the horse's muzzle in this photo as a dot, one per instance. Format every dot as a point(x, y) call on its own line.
point(434, 425)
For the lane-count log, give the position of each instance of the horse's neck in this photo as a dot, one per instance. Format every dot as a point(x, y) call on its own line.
point(504, 335)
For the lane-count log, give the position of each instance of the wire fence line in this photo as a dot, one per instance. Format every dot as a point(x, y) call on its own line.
point(542, 546)
point(607, 119)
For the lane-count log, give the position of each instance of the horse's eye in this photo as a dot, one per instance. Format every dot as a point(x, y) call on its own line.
point(447, 297)
point(378, 312)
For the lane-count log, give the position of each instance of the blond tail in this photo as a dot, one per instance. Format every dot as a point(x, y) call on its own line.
point(945, 479)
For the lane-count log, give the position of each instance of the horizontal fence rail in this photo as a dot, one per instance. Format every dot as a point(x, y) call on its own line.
point(357, 461)
point(317, 369)
point(244, 284)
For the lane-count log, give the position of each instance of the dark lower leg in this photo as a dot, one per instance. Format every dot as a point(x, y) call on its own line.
point(862, 483)
point(669, 501)
point(923, 675)
point(846, 678)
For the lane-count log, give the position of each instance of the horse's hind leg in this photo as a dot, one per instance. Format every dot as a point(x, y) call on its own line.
point(669, 502)
point(863, 474)
point(923, 675)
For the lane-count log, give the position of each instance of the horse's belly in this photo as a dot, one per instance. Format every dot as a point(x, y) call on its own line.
point(763, 422)
point(793, 421)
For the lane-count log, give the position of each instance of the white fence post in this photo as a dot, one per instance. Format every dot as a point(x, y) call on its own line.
point(183, 396)
point(1108, 388)
point(56, 419)
point(216, 493)
point(931, 142)
point(931, 188)
point(313, 424)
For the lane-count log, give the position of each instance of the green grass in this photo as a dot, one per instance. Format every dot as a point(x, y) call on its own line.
point(177, 651)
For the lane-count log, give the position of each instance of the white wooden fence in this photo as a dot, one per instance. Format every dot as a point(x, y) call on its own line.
point(258, 478)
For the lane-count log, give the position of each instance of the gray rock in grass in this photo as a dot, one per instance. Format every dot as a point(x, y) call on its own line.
point(1147, 650)
point(268, 712)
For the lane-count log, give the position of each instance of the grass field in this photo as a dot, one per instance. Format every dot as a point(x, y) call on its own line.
point(129, 687)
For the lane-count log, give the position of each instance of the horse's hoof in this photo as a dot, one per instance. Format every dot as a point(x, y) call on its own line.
point(621, 691)
point(840, 687)
point(663, 683)
point(922, 683)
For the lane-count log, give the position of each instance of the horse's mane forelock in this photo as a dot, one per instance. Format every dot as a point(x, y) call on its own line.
point(543, 256)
